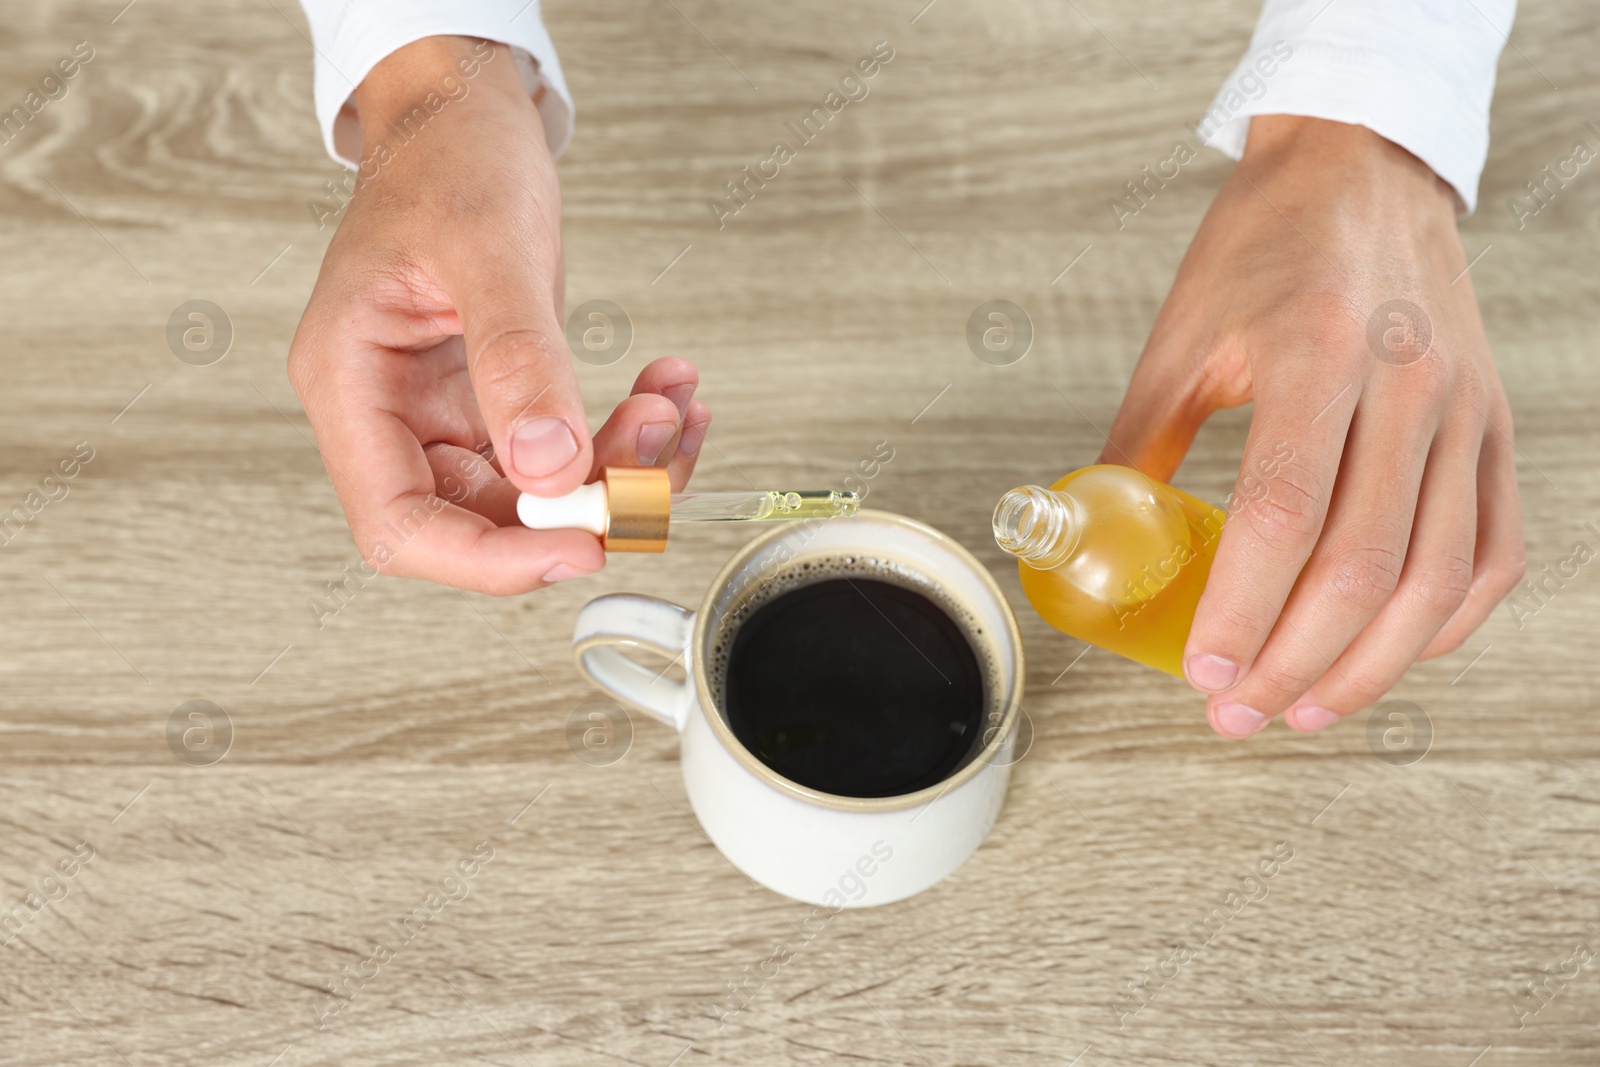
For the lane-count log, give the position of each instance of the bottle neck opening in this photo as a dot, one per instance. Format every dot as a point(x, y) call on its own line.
point(1038, 526)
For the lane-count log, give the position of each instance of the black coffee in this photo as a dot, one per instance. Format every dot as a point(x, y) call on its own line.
point(853, 685)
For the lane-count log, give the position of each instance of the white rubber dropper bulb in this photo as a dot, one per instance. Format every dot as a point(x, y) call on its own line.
point(582, 509)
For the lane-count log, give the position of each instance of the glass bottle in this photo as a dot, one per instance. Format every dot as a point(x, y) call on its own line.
point(1113, 557)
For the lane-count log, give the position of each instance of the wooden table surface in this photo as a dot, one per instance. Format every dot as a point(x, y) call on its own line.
point(369, 755)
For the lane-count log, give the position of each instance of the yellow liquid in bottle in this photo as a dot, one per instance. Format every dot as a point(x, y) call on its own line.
point(1143, 552)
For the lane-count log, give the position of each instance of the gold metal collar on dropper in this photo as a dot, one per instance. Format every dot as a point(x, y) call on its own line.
point(638, 509)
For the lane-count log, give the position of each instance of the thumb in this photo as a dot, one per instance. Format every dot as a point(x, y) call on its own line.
point(522, 373)
point(1170, 395)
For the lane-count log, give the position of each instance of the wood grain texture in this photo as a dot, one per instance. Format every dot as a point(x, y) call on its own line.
point(372, 754)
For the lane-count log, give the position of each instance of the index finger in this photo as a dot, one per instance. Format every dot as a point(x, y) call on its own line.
point(1286, 478)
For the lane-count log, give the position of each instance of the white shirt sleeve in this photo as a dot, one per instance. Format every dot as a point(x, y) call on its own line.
point(1417, 72)
point(351, 36)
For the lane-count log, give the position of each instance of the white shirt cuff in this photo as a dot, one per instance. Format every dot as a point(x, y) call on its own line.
point(1417, 72)
point(351, 36)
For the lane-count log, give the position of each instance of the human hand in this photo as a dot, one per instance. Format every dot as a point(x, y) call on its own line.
point(431, 358)
point(1394, 526)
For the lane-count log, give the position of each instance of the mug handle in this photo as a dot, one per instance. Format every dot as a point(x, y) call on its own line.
point(628, 620)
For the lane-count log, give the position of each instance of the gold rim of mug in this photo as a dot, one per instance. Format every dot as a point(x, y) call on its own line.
point(747, 759)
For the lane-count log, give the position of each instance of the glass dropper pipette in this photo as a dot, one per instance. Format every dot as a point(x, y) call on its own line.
point(630, 508)
point(756, 505)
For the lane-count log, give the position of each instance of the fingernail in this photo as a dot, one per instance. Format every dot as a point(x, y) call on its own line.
point(680, 395)
point(653, 437)
point(1211, 673)
point(542, 446)
point(1309, 718)
point(1236, 720)
point(693, 438)
point(562, 572)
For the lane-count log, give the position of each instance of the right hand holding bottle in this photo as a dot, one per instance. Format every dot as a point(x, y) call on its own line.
point(431, 358)
point(1393, 528)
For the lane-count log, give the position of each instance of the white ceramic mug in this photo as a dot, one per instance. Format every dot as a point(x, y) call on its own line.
point(816, 847)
